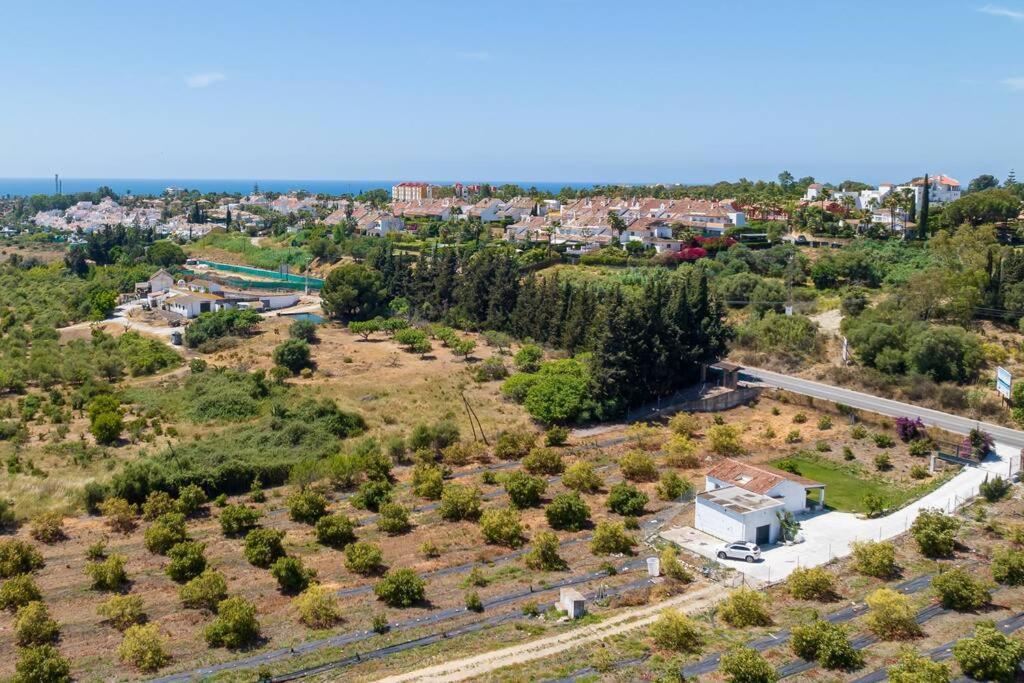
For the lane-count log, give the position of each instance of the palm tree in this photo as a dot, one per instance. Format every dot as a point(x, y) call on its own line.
point(848, 203)
point(824, 194)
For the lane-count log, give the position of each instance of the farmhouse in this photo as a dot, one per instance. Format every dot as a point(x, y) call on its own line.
point(742, 502)
point(161, 281)
point(791, 489)
point(735, 514)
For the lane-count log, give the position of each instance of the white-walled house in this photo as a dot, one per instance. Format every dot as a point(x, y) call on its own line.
point(161, 281)
point(791, 489)
point(941, 189)
point(734, 514)
point(743, 502)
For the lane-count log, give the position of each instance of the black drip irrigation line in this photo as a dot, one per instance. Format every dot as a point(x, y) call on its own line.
point(433, 618)
point(710, 663)
point(344, 639)
point(436, 637)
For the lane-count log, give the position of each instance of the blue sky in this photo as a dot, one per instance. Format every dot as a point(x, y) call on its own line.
point(570, 90)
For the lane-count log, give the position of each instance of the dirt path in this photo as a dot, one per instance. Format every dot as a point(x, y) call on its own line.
point(481, 665)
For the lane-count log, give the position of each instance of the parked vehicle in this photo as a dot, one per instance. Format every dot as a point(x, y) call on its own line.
point(740, 550)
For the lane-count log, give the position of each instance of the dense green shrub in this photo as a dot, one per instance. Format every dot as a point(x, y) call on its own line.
point(18, 557)
point(123, 611)
point(994, 489)
point(811, 583)
point(33, 625)
point(108, 575)
point(514, 444)
point(827, 644)
point(567, 511)
point(626, 500)
point(744, 608)
point(187, 560)
point(875, 558)
point(307, 506)
point(191, 499)
point(427, 481)
point(1008, 566)
point(335, 530)
point(209, 326)
point(293, 354)
point(638, 466)
point(460, 503)
point(238, 520)
point(914, 667)
point(673, 487)
point(41, 663)
point(543, 461)
point(372, 495)
point(157, 503)
point(747, 665)
point(890, 615)
point(677, 632)
point(524, 491)
point(204, 591)
point(958, 589)
point(304, 330)
point(18, 591)
point(581, 476)
point(610, 538)
point(168, 530)
point(400, 588)
point(935, 533)
point(989, 655)
point(144, 647)
point(291, 575)
point(235, 626)
point(393, 519)
point(543, 554)
point(502, 527)
point(263, 546)
point(318, 608)
point(363, 557)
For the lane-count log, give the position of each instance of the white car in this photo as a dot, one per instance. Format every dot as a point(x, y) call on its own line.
point(740, 550)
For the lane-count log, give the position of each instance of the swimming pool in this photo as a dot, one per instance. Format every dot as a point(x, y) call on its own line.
point(311, 317)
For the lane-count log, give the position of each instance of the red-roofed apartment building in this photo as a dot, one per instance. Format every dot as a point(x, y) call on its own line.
point(411, 192)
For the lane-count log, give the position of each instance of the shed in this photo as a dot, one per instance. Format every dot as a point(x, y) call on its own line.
point(572, 602)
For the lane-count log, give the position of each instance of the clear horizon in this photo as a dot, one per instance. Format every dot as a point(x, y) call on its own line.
point(595, 92)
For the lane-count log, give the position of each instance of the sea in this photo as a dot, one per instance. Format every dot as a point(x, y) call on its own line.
point(13, 187)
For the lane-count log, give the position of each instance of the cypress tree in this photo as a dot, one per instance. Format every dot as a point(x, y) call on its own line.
point(922, 222)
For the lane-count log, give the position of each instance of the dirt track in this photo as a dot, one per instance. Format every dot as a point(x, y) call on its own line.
point(480, 665)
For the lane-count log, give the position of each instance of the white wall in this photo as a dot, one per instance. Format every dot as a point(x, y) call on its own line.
point(792, 494)
point(712, 520)
point(734, 526)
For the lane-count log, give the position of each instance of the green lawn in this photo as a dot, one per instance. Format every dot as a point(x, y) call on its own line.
point(845, 487)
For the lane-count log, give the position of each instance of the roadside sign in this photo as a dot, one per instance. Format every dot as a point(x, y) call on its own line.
point(1004, 382)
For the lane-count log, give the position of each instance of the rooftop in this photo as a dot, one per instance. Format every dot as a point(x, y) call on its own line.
point(740, 500)
point(755, 478)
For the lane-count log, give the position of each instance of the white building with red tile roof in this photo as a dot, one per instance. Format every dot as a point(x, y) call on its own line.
point(789, 488)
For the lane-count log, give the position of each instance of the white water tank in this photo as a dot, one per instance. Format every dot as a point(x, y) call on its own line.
point(653, 566)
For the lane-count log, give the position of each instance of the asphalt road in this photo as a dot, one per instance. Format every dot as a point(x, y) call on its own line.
point(884, 406)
